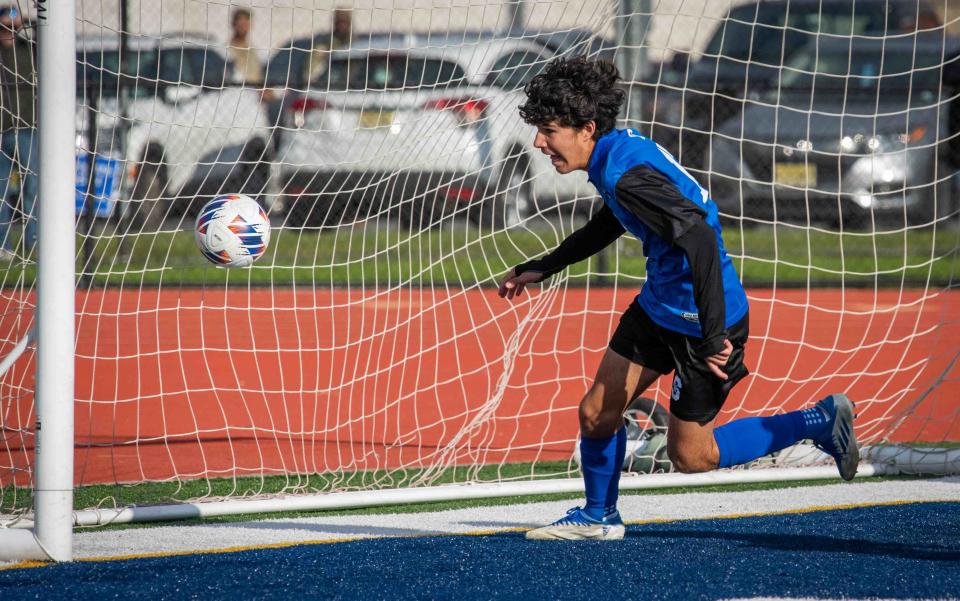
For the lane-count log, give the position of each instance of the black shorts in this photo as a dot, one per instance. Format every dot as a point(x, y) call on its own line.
point(697, 394)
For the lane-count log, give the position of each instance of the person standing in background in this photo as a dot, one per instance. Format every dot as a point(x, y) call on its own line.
point(18, 144)
point(341, 36)
point(244, 58)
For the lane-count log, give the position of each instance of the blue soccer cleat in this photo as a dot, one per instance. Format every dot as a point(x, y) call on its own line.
point(839, 440)
point(577, 525)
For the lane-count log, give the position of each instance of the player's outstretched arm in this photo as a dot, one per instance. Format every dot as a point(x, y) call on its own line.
point(514, 283)
point(598, 233)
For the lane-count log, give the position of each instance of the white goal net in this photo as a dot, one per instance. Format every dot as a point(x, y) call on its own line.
point(368, 349)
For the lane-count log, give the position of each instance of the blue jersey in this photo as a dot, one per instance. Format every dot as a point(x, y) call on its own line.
point(657, 202)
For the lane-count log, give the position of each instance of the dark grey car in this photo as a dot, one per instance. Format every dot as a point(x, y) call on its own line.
point(856, 134)
point(745, 55)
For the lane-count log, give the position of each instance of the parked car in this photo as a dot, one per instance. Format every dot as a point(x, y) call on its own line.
point(685, 100)
point(856, 133)
point(185, 132)
point(287, 66)
point(423, 132)
point(287, 70)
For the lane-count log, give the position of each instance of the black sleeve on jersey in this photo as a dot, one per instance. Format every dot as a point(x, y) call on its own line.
point(602, 229)
point(655, 200)
point(700, 245)
point(650, 196)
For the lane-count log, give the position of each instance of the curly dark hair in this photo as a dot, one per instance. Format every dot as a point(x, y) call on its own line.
point(574, 92)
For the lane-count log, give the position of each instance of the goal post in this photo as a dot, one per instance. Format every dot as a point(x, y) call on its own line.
point(366, 358)
point(52, 532)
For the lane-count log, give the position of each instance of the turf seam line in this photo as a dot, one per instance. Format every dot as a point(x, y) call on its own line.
point(811, 509)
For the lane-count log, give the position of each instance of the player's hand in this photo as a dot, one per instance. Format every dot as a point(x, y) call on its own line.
point(716, 362)
point(513, 284)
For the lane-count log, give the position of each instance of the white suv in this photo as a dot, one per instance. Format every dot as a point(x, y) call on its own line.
point(186, 134)
point(425, 131)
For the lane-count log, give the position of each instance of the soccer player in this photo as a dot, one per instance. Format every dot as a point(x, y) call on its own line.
point(690, 318)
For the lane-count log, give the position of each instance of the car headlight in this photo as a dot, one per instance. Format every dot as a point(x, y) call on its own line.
point(891, 142)
point(882, 142)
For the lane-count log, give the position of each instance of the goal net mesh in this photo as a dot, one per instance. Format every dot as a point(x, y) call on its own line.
point(368, 347)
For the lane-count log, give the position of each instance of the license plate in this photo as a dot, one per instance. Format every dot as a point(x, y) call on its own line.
point(375, 119)
point(800, 175)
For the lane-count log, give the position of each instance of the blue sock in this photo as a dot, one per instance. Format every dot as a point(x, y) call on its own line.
point(744, 440)
point(598, 461)
point(613, 489)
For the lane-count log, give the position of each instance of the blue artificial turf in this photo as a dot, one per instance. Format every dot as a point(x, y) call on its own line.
point(894, 552)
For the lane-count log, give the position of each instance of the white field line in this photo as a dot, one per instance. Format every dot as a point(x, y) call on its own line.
point(174, 539)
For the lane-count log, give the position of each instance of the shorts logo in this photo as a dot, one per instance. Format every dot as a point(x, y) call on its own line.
point(677, 385)
point(694, 317)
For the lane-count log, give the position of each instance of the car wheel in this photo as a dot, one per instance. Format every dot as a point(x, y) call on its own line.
point(254, 174)
point(298, 210)
point(512, 200)
point(850, 217)
point(316, 211)
point(147, 196)
point(646, 421)
point(947, 196)
point(936, 201)
point(419, 212)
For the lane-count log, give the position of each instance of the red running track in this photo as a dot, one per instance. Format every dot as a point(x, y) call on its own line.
point(205, 383)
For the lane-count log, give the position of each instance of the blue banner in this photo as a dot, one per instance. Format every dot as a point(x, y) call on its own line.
point(108, 173)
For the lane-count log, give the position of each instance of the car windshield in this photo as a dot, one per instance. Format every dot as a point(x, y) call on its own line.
point(515, 70)
point(389, 72)
point(760, 32)
point(145, 69)
point(287, 67)
point(890, 72)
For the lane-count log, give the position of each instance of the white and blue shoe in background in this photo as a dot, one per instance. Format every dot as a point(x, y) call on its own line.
point(577, 525)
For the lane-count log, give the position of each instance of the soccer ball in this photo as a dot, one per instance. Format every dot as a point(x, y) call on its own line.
point(232, 230)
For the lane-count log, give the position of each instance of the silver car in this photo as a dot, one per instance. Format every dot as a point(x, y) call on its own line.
point(186, 133)
point(420, 133)
point(855, 134)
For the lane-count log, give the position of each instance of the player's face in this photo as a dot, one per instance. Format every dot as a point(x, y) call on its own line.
point(569, 148)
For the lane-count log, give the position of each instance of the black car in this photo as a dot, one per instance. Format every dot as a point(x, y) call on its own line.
point(855, 134)
point(746, 55)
